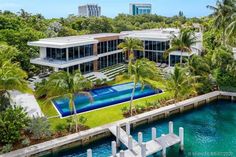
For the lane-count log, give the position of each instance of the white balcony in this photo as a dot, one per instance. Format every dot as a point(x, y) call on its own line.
point(62, 64)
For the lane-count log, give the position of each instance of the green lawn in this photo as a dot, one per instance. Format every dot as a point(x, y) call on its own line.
point(105, 115)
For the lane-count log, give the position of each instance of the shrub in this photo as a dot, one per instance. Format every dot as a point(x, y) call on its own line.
point(139, 108)
point(7, 148)
point(26, 142)
point(61, 127)
point(82, 120)
point(39, 127)
point(125, 109)
point(12, 122)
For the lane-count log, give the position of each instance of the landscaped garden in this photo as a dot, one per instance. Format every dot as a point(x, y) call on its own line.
point(214, 69)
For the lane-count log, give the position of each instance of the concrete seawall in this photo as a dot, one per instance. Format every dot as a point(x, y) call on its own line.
point(85, 137)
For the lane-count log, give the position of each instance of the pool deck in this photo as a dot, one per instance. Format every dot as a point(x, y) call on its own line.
point(167, 110)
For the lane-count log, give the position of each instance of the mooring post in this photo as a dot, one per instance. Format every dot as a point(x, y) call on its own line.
point(130, 143)
point(118, 135)
point(113, 146)
point(154, 133)
point(171, 130)
point(140, 138)
point(232, 98)
point(164, 152)
point(127, 128)
point(181, 136)
point(143, 150)
point(89, 153)
point(122, 153)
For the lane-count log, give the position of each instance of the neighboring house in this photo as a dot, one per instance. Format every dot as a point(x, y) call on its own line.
point(89, 10)
point(140, 8)
point(93, 52)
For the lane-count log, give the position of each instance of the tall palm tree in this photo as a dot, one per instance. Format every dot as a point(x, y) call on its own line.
point(12, 77)
point(181, 83)
point(222, 13)
point(231, 28)
point(182, 43)
point(140, 72)
point(128, 47)
point(66, 85)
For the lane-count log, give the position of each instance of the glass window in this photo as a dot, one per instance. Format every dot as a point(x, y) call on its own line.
point(71, 53)
point(63, 54)
point(76, 52)
point(82, 51)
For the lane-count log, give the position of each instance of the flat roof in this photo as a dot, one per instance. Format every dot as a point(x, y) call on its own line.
point(70, 41)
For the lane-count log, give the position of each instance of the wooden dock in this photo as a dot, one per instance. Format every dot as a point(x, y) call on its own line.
point(141, 149)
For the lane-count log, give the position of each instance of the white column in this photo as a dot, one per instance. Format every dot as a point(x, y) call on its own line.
point(130, 143)
point(113, 146)
point(118, 135)
point(143, 150)
point(169, 60)
point(127, 128)
point(181, 136)
point(164, 152)
point(122, 153)
point(140, 138)
point(89, 153)
point(67, 54)
point(154, 133)
point(171, 130)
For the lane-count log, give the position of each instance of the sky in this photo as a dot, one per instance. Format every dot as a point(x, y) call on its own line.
point(110, 8)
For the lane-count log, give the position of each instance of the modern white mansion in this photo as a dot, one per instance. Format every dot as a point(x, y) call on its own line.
point(91, 53)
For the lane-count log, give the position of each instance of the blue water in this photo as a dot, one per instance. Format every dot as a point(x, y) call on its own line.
point(209, 131)
point(102, 97)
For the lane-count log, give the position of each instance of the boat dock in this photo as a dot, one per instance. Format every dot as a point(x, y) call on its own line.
point(140, 148)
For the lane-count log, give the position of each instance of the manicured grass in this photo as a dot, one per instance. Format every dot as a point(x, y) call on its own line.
point(105, 115)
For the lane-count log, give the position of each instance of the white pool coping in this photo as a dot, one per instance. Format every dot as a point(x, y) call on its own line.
point(41, 147)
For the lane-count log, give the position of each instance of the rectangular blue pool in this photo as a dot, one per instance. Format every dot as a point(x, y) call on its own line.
point(103, 97)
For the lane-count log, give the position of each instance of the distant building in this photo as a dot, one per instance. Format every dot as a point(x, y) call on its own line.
point(90, 10)
point(140, 8)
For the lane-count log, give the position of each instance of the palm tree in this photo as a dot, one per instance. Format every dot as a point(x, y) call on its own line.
point(222, 13)
point(66, 85)
point(182, 43)
point(140, 72)
point(12, 77)
point(181, 83)
point(231, 28)
point(128, 47)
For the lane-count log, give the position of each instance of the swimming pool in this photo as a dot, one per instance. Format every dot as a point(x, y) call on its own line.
point(209, 131)
point(103, 97)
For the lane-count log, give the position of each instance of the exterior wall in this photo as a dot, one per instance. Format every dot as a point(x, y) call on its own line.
point(42, 52)
point(89, 10)
point(139, 9)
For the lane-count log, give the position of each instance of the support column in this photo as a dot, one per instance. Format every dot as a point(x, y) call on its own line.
point(164, 152)
point(143, 150)
point(181, 136)
point(67, 54)
point(89, 153)
point(113, 146)
point(95, 65)
point(130, 143)
point(154, 133)
point(171, 127)
point(122, 153)
point(140, 138)
point(127, 128)
point(118, 135)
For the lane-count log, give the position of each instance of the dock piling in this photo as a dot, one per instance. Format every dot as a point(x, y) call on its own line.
point(127, 128)
point(122, 153)
point(113, 146)
point(140, 138)
point(181, 136)
point(154, 133)
point(89, 153)
point(171, 130)
point(118, 135)
point(130, 143)
point(164, 152)
point(143, 150)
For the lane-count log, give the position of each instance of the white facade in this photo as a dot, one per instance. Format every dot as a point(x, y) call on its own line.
point(102, 49)
point(89, 10)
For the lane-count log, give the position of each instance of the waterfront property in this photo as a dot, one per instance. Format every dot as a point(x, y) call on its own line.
point(103, 97)
point(202, 133)
point(91, 53)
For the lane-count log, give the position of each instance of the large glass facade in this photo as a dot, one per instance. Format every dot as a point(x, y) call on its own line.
point(108, 46)
point(157, 45)
point(57, 54)
point(110, 60)
point(80, 52)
